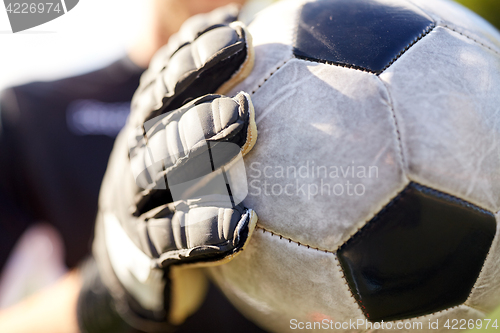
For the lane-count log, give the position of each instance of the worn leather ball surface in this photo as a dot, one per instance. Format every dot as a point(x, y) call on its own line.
point(376, 173)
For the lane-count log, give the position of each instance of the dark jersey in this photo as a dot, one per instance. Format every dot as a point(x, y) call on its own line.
point(55, 141)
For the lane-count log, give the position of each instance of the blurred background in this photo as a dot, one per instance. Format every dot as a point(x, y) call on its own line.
point(489, 9)
point(96, 33)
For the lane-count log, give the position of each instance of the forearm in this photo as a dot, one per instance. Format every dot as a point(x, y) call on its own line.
point(53, 310)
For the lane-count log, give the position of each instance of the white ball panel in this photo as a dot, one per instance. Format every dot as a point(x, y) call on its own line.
point(456, 313)
point(486, 293)
point(456, 16)
point(269, 280)
point(322, 117)
point(272, 39)
point(446, 92)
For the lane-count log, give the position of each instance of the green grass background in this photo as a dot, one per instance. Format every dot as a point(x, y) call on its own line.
point(494, 315)
point(490, 10)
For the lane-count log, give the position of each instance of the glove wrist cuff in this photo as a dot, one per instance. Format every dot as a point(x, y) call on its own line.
point(96, 310)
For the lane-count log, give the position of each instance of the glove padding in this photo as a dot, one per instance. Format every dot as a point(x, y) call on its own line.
point(171, 197)
point(208, 50)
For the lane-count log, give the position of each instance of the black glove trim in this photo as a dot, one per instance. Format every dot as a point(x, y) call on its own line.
point(96, 312)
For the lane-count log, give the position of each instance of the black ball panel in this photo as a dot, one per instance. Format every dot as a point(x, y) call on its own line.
point(421, 254)
point(363, 34)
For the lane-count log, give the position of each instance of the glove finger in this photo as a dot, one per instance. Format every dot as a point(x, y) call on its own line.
point(146, 296)
point(205, 232)
point(190, 234)
point(188, 32)
point(215, 61)
point(192, 142)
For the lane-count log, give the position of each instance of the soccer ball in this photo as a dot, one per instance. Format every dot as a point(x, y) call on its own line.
point(376, 174)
